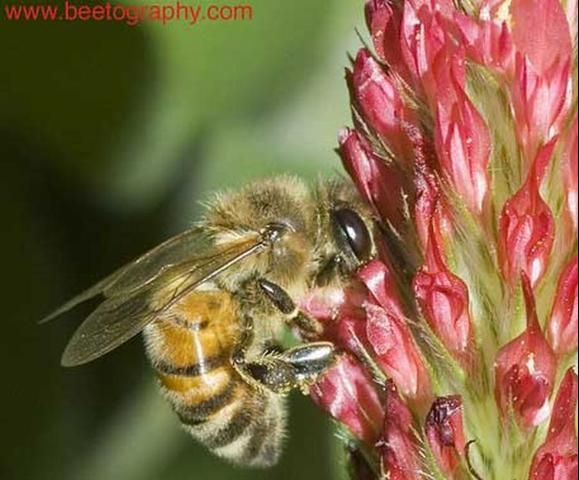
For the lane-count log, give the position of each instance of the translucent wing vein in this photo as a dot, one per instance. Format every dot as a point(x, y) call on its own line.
point(138, 293)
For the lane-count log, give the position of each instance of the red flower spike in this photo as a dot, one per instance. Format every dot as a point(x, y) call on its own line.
point(381, 104)
point(556, 459)
point(525, 370)
point(541, 32)
point(445, 433)
point(444, 301)
point(398, 452)
point(571, 160)
point(526, 226)
point(416, 97)
point(379, 183)
point(562, 326)
point(388, 334)
point(347, 392)
point(463, 143)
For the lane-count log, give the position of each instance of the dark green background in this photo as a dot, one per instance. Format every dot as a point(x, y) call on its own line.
point(109, 137)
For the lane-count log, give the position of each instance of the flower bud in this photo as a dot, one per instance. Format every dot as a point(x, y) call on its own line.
point(388, 334)
point(429, 205)
point(443, 299)
point(556, 459)
point(562, 326)
point(525, 370)
point(380, 104)
point(540, 102)
point(383, 18)
point(397, 447)
point(422, 37)
point(379, 183)
point(347, 392)
point(526, 227)
point(445, 432)
point(463, 144)
point(487, 42)
point(542, 78)
point(541, 32)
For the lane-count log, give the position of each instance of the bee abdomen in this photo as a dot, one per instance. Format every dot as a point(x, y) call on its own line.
point(200, 367)
point(201, 411)
point(191, 351)
point(228, 416)
point(248, 430)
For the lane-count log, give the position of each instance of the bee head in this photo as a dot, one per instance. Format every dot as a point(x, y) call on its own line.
point(347, 229)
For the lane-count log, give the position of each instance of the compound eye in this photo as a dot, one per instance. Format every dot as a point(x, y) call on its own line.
point(353, 229)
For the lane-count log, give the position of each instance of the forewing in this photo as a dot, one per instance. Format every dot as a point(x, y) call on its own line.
point(111, 324)
point(193, 245)
point(123, 315)
point(144, 269)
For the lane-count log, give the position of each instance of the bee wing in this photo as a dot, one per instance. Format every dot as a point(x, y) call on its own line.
point(127, 310)
point(143, 270)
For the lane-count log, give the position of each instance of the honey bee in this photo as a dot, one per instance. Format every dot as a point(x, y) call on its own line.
point(213, 302)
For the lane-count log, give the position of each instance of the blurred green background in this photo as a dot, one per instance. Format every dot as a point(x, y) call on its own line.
point(110, 135)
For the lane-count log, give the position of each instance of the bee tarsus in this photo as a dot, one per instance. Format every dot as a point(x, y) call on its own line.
point(280, 373)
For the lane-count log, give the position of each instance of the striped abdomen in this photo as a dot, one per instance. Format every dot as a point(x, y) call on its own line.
point(191, 349)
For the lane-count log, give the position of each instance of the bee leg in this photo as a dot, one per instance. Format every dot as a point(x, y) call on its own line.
point(310, 361)
point(308, 327)
point(281, 372)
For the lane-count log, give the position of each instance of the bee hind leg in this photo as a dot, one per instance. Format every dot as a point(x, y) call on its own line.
point(282, 372)
point(309, 328)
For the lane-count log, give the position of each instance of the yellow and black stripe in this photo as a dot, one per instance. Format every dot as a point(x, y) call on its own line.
point(191, 349)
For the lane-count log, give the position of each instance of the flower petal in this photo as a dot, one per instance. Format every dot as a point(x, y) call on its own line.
point(556, 459)
point(562, 326)
point(525, 370)
point(397, 447)
point(541, 32)
point(526, 226)
point(445, 432)
point(347, 392)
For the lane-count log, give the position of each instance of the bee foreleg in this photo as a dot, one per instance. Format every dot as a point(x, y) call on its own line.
point(297, 367)
point(308, 327)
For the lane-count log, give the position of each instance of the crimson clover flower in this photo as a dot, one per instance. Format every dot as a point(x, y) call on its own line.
point(460, 340)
